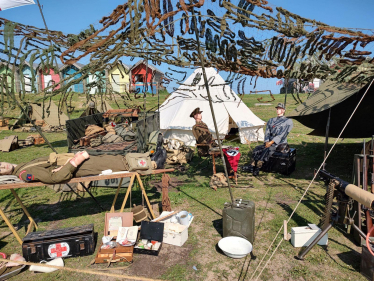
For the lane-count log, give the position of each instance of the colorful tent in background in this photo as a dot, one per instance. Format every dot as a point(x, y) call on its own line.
point(279, 82)
point(7, 4)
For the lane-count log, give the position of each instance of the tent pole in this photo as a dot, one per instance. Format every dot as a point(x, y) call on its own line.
point(27, 116)
point(50, 41)
point(285, 96)
point(327, 137)
point(211, 104)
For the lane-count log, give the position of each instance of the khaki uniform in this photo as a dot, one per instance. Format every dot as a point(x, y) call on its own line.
point(42, 171)
point(203, 136)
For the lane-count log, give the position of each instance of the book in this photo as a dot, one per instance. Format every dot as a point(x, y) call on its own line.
point(127, 235)
point(114, 224)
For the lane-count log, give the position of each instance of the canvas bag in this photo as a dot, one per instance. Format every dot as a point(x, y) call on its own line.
point(139, 162)
point(110, 138)
point(126, 133)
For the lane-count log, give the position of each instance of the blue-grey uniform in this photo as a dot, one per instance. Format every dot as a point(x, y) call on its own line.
point(277, 130)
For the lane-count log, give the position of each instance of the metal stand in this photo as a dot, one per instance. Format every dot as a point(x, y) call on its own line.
point(89, 192)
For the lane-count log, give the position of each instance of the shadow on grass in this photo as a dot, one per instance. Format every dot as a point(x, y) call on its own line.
point(70, 206)
point(198, 201)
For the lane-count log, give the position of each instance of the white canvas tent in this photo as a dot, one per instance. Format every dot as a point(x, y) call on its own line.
point(175, 120)
point(7, 4)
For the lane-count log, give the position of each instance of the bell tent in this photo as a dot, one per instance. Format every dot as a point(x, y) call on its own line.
point(230, 112)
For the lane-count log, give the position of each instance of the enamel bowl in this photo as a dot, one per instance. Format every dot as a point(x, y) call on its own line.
point(235, 247)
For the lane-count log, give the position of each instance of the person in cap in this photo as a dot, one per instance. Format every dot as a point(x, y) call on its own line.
point(201, 133)
point(277, 130)
point(90, 110)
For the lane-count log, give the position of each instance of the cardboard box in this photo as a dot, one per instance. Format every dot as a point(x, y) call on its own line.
point(127, 221)
point(175, 234)
point(304, 235)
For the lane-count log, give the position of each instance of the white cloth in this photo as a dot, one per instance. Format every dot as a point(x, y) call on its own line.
point(7, 4)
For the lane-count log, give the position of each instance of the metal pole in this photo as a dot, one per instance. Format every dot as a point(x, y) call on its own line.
point(211, 105)
point(327, 137)
point(285, 96)
point(50, 41)
point(314, 242)
point(145, 88)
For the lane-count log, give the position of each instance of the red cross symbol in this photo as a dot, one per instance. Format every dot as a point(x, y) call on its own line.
point(142, 162)
point(58, 250)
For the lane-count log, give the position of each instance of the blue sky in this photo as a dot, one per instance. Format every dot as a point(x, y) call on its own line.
point(74, 16)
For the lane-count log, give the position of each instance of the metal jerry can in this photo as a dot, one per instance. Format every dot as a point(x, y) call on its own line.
point(239, 219)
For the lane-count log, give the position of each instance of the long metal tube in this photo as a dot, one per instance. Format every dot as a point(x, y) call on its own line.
point(315, 241)
point(211, 104)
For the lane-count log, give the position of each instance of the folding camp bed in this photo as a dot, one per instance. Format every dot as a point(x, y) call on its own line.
point(119, 175)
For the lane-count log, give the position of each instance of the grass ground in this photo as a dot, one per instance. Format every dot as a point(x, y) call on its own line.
point(275, 197)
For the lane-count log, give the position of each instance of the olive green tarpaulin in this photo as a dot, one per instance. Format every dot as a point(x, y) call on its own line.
point(342, 98)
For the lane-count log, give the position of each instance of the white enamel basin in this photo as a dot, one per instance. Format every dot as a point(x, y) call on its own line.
point(235, 247)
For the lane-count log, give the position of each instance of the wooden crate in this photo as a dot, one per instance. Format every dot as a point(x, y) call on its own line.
point(122, 254)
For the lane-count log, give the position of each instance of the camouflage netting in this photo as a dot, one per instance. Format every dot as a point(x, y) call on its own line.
point(163, 31)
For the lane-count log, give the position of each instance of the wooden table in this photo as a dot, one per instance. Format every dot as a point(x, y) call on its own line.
point(131, 175)
point(218, 154)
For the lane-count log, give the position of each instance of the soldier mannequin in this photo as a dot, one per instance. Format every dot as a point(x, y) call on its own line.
point(276, 133)
point(81, 165)
point(201, 132)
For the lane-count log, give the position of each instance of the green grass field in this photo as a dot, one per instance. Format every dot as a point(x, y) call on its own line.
point(275, 197)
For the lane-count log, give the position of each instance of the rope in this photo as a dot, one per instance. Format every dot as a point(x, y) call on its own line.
point(121, 276)
point(166, 205)
point(302, 197)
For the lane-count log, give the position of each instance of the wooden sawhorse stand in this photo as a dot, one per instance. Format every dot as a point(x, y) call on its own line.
point(132, 179)
point(10, 225)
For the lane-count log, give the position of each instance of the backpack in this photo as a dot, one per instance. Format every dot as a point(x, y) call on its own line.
point(160, 155)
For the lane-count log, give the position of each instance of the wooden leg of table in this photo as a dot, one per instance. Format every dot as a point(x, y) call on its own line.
point(127, 193)
point(32, 222)
point(116, 196)
point(10, 226)
point(145, 196)
point(214, 164)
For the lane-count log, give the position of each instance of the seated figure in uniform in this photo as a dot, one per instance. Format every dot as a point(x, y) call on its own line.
point(277, 129)
point(202, 134)
point(81, 165)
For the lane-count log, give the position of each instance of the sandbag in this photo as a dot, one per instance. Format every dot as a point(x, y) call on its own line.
point(218, 180)
point(177, 152)
point(93, 129)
